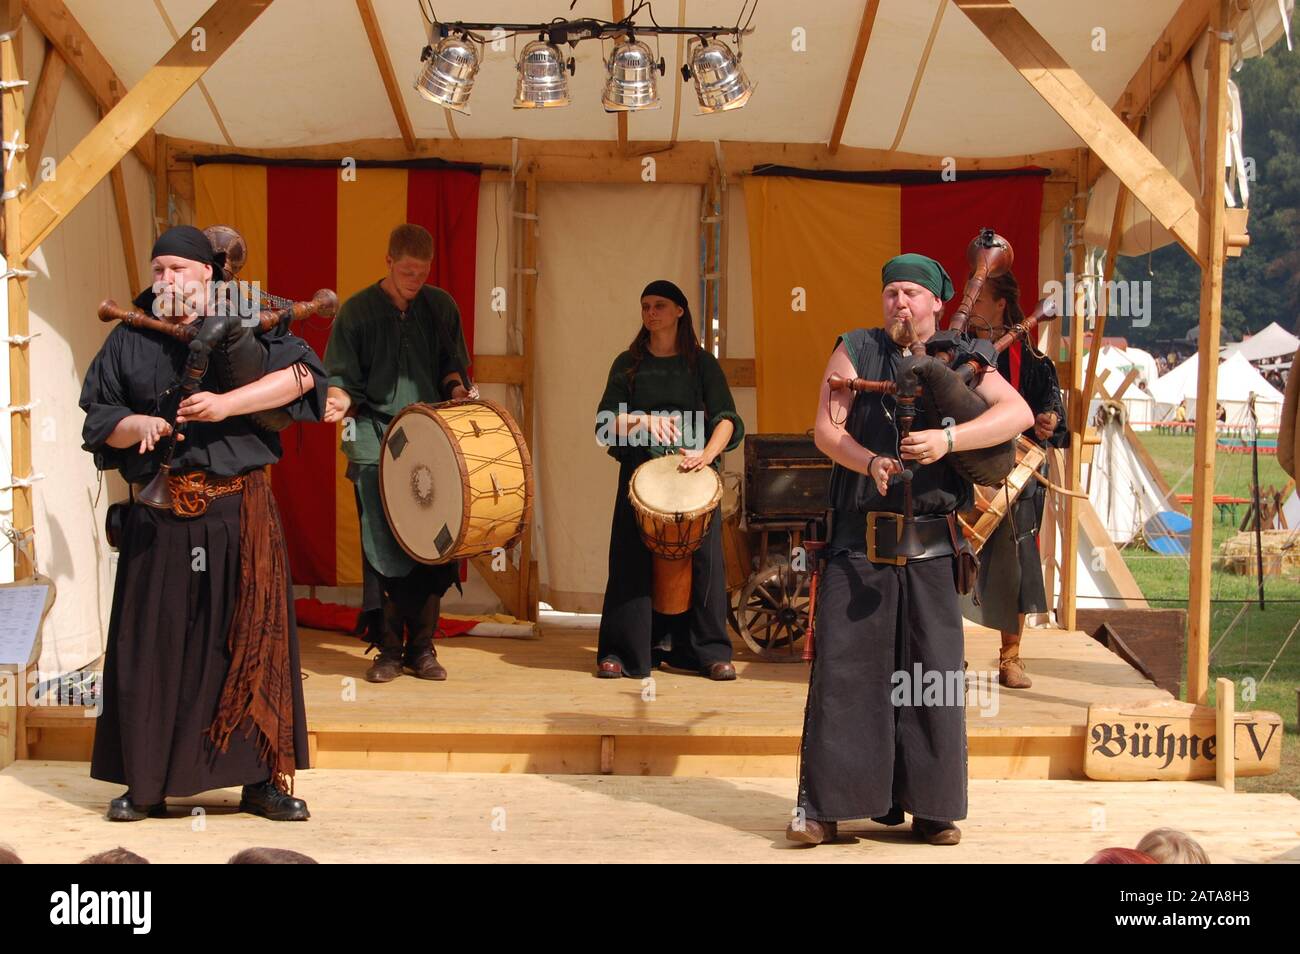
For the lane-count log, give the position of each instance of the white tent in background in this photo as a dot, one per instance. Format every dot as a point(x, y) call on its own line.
point(1237, 381)
point(1121, 486)
point(1273, 342)
point(1138, 404)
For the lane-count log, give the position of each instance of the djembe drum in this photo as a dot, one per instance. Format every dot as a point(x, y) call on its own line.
point(674, 510)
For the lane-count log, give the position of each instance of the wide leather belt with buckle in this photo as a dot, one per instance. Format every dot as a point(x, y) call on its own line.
point(193, 491)
point(884, 529)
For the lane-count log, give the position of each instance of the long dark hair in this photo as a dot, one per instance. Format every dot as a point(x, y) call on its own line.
point(1007, 288)
point(688, 344)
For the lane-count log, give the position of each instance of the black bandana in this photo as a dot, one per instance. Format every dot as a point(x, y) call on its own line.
point(183, 241)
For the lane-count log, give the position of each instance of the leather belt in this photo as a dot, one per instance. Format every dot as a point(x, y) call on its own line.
point(194, 490)
point(884, 527)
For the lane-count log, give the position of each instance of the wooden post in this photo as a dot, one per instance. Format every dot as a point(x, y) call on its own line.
point(1050, 340)
point(162, 188)
point(1078, 409)
point(15, 177)
point(1225, 730)
point(1211, 253)
point(20, 387)
point(527, 600)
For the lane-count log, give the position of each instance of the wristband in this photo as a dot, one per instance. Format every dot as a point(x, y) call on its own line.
point(947, 432)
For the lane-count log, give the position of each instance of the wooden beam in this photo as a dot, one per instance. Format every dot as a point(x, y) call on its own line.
point(203, 87)
point(920, 73)
point(619, 13)
point(528, 262)
point(1078, 416)
point(74, 45)
point(161, 188)
point(855, 69)
point(593, 160)
point(133, 274)
point(1075, 102)
point(20, 382)
point(133, 117)
point(1171, 47)
point(41, 112)
point(1212, 253)
point(1189, 106)
point(380, 50)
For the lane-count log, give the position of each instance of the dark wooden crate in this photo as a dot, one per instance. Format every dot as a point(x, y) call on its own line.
point(786, 477)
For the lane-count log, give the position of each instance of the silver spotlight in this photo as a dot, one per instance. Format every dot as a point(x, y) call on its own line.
point(542, 79)
point(631, 78)
point(448, 73)
point(720, 81)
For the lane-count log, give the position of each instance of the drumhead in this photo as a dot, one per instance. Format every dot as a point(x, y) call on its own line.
point(422, 484)
point(658, 486)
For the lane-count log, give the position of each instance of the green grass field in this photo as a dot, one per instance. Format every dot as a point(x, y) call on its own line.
point(1254, 636)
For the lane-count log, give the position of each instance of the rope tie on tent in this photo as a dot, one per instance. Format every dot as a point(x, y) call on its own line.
point(18, 340)
point(20, 539)
point(19, 408)
point(11, 148)
point(11, 84)
point(13, 193)
point(19, 273)
point(23, 482)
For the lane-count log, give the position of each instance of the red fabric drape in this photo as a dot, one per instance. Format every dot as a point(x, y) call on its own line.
point(940, 220)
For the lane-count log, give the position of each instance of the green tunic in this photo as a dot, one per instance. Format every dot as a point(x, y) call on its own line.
point(386, 360)
point(667, 386)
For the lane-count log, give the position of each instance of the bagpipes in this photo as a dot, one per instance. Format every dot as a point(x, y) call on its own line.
point(229, 340)
point(934, 383)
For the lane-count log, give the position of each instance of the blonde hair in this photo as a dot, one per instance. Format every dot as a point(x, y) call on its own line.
point(1168, 846)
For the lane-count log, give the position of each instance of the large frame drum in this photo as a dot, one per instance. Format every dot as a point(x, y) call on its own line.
point(674, 509)
point(456, 480)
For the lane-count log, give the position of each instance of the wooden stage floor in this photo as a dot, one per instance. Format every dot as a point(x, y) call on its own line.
point(52, 812)
point(513, 705)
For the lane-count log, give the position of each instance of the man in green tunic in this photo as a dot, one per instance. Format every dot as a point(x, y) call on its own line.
point(395, 343)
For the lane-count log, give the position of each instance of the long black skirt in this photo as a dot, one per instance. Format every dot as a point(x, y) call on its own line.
point(636, 636)
point(1010, 579)
point(167, 660)
point(873, 739)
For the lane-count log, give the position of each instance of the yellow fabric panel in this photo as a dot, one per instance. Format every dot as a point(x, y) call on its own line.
point(236, 196)
point(368, 209)
point(831, 240)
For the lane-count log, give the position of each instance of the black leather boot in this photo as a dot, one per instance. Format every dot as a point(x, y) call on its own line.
point(421, 658)
point(124, 809)
point(268, 801)
point(388, 664)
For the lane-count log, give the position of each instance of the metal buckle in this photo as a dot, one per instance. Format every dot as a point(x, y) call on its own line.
point(873, 519)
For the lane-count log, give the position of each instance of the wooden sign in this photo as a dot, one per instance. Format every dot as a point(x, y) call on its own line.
point(1175, 741)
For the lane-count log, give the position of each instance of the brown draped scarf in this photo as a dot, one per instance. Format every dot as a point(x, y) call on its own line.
point(259, 685)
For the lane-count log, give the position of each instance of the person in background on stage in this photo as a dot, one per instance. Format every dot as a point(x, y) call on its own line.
point(395, 343)
point(202, 685)
point(872, 747)
point(1010, 580)
point(665, 371)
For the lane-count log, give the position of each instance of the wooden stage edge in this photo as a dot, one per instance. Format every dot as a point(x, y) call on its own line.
point(52, 812)
point(534, 706)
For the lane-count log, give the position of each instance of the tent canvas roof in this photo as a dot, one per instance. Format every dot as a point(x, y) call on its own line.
point(1237, 380)
point(1274, 341)
point(316, 58)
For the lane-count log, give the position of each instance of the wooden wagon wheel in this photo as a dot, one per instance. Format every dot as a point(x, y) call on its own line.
point(772, 613)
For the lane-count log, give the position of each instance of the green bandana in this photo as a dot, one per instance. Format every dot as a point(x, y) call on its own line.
point(918, 268)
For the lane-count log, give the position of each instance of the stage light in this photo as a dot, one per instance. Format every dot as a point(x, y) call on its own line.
point(720, 81)
point(542, 79)
point(447, 76)
point(630, 83)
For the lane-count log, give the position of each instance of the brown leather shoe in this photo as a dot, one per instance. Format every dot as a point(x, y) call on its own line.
point(813, 832)
point(385, 668)
point(423, 662)
point(721, 672)
point(1011, 671)
point(936, 832)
